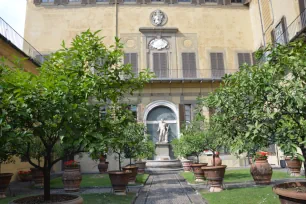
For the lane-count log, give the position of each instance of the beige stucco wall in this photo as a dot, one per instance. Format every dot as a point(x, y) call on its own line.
point(217, 28)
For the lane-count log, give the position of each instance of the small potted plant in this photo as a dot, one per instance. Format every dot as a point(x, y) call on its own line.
point(146, 150)
point(192, 143)
point(180, 152)
point(25, 176)
point(261, 170)
point(294, 165)
point(72, 176)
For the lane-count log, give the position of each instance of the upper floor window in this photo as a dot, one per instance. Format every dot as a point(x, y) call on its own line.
point(47, 1)
point(279, 33)
point(184, 1)
point(132, 58)
point(236, 1)
point(132, 1)
point(102, 1)
point(217, 65)
point(244, 58)
point(157, 0)
point(189, 65)
point(210, 1)
point(160, 65)
point(74, 0)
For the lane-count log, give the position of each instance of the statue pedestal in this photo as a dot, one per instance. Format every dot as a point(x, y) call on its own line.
point(162, 151)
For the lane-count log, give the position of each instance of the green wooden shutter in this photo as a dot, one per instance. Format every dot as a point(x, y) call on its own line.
point(189, 65)
point(92, 1)
point(244, 58)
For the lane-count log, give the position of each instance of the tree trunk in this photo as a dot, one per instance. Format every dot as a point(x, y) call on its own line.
point(119, 161)
point(47, 194)
point(130, 161)
point(304, 155)
point(214, 156)
point(198, 159)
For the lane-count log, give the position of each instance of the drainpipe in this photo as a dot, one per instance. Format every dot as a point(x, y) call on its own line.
point(262, 27)
point(116, 17)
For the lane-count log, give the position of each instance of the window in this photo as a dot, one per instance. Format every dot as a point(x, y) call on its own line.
point(130, 1)
point(217, 65)
point(189, 65)
point(47, 1)
point(279, 33)
point(102, 0)
point(74, 0)
point(237, 1)
point(157, 0)
point(210, 1)
point(244, 58)
point(160, 65)
point(184, 1)
point(131, 58)
point(187, 113)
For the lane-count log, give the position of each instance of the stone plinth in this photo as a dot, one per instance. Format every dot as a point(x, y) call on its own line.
point(162, 151)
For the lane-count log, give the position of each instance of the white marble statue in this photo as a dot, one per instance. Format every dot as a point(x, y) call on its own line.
point(163, 129)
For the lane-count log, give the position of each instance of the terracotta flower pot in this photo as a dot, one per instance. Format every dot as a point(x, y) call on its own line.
point(70, 199)
point(119, 180)
point(25, 177)
point(37, 177)
point(103, 166)
point(294, 165)
point(291, 193)
point(141, 166)
point(72, 178)
point(261, 171)
point(198, 172)
point(5, 180)
point(133, 170)
point(187, 165)
point(215, 176)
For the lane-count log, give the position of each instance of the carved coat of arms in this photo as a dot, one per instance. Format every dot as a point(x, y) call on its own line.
point(158, 18)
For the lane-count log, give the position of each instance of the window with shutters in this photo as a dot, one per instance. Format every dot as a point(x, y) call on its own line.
point(189, 65)
point(217, 65)
point(280, 36)
point(160, 65)
point(244, 58)
point(132, 58)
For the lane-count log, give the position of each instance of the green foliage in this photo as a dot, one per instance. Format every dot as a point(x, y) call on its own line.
point(60, 107)
point(265, 103)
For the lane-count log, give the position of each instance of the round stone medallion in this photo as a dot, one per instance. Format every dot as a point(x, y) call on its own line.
point(130, 43)
point(187, 43)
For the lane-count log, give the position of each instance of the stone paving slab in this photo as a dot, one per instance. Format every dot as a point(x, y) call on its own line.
point(167, 188)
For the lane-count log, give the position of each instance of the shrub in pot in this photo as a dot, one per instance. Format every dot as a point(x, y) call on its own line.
point(261, 170)
point(25, 176)
point(146, 150)
point(192, 143)
point(72, 176)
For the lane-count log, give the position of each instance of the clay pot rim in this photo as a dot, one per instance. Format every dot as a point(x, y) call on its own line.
point(214, 167)
point(118, 172)
point(290, 158)
point(140, 162)
point(130, 166)
point(77, 197)
point(289, 194)
point(199, 165)
point(6, 174)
